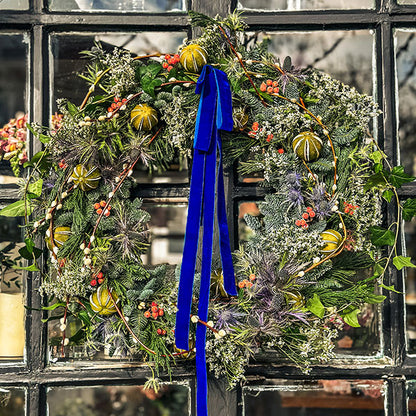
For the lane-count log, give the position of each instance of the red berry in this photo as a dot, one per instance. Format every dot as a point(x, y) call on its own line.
point(305, 226)
point(347, 210)
point(155, 315)
point(269, 82)
point(312, 214)
point(171, 61)
point(176, 56)
point(99, 211)
point(107, 213)
point(241, 285)
point(93, 282)
point(165, 65)
point(297, 222)
point(109, 207)
point(155, 308)
point(116, 99)
point(308, 209)
point(124, 100)
point(305, 215)
point(114, 106)
point(269, 90)
point(96, 205)
point(119, 104)
point(100, 275)
point(275, 84)
point(154, 304)
point(170, 67)
point(255, 126)
point(269, 137)
point(164, 332)
point(281, 151)
point(167, 56)
point(147, 314)
point(109, 109)
point(103, 203)
point(100, 281)
point(302, 222)
point(159, 331)
point(161, 312)
point(263, 87)
point(276, 90)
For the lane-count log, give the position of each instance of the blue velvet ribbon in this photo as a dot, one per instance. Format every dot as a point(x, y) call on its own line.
point(214, 114)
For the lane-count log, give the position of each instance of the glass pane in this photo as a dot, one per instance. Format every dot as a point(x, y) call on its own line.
point(405, 56)
point(345, 55)
point(14, 5)
point(410, 2)
point(68, 63)
point(305, 4)
point(410, 238)
point(411, 397)
point(13, 49)
point(315, 398)
point(171, 399)
point(118, 5)
point(12, 401)
point(12, 332)
point(167, 229)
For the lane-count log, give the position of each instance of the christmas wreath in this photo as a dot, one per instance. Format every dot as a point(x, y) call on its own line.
point(317, 252)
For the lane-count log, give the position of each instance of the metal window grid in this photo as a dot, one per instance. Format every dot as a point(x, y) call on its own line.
point(35, 374)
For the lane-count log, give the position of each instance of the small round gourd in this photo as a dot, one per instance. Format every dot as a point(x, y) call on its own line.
point(144, 117)
point(193, 58)
point(102, 303)
point(60, 235)
point(307, 145)
point(332, 240)
point(86, 177)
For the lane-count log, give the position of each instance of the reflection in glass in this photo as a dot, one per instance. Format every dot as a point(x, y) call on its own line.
point(14, 5)
point(315, 398)
point(118, 5)
point(12, 332)
point(177, 173)
point(305, 4)
point(171, 399)
point(12, 401)
point(406, 81)
point(13, 49)
point(411, 397)
point(167, 230)
point(410, 238)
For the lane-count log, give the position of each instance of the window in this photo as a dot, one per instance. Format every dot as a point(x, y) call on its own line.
point(370, 45)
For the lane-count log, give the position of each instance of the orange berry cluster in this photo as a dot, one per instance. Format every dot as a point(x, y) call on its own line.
point(154, 311)
point(62, 164)
point(170, 61)
point(98, 278)
point(350, 208)
point(270, 87)
point(247, 283)
point(255, 128)
point(98, 206)
point(307, 217)
point(118, 102)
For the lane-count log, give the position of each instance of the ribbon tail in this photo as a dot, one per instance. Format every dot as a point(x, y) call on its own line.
point(186, 281)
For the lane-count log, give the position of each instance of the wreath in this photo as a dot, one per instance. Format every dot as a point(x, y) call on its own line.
point(318, 247)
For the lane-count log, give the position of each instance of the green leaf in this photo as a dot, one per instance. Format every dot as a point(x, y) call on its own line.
point(29, 255)
point(315, 306)
point(351, 318)
point(387, 195)
point(16, 209)
point(381, 236)
point(377, 156)
point(35, 188)
point(54, 306)
point(372, 298)
point(409, 209)
point(42, 137)
point(398, 177)
point(31, 268)
point(374, 181)
point(72, 108)
point(391, 288)
point(401, 261)
point(149, 84)
point(44, 165)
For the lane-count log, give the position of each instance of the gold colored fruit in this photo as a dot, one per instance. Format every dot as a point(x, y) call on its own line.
point(86, 177)
point(187, 355)
point(307, 145)
point(240, 119)
point(102, 303)
point(193, 58)
point(144, 117)
point(60, 235)
point(332, 240)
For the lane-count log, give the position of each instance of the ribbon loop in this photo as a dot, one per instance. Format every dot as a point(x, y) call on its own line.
point(214, 113)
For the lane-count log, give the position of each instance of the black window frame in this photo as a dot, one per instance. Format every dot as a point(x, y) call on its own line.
point(35, 375)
